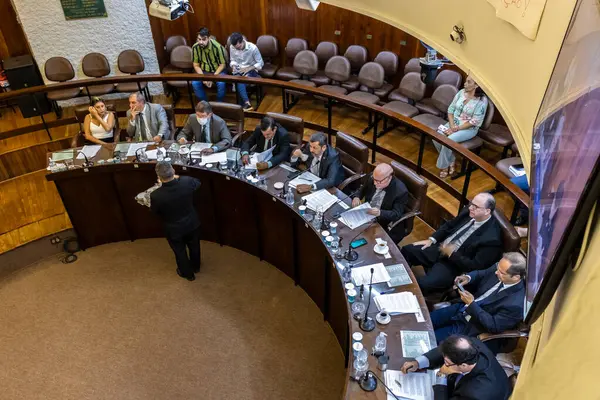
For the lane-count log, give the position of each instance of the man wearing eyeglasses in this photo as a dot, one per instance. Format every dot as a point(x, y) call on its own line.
point(387, 196)
point(469, 242)
point(467, 370)
point(495, 306)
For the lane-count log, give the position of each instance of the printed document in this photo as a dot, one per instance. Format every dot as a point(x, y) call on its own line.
point(62, 155)
point(414, 343)
point(397, 303)
point(153, 154)
point(199, 146)
point(398, 275)
point(320, 200)
point(133, 147)
point(306, 178)
point(260, 157)
point(90, 151)
point(122, 147)
point(214, 158)
point(414, 385)
point(362, 275)
point(357, 216)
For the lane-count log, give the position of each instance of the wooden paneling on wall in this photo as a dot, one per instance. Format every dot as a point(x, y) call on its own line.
point(29, 159)
point(12, 38)
point(284, 20)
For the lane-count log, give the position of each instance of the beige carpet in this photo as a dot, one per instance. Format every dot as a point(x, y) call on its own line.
point(120, 324)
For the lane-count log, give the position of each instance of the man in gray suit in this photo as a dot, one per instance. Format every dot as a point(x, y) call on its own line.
point(206, 127)
point(147, 121)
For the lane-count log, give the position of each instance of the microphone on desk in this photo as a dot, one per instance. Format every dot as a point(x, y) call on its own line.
point(290, 177)
point(351, 254)
point(190, 159)
point(236, 167)
point(367, 324)
point(87, 162)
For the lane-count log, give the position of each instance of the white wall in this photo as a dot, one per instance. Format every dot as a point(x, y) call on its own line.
point(50, 34)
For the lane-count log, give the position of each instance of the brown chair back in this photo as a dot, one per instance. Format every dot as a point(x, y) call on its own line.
point(489, 115)
point(413, 65)
point(59, 69)
point(353, 154)
point(510, 237)
point(389, 62)
point(324, 52)
point(372, 75)
point(294, 126)
point(130, 62)
point(268, 46)
point(417, 189)
point(306, 63)
point(295, 46)
point(443, 96)
point(170, 120)
point(233, 114)
point(357, 55)
point(412, 86)
point(95, 65)
point(338, 69)
point(181, 57)
point(174, 41)
point(448, 77)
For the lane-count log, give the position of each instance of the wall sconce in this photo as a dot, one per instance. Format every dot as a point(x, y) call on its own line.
point(458, 34)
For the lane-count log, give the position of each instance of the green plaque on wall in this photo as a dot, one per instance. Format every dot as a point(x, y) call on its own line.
point(77, 9)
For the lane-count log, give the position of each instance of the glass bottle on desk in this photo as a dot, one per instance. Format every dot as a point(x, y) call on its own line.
point(361, 365)
point(380, 344)
point(289, 197)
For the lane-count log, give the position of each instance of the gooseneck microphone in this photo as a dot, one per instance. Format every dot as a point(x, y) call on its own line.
point(367, 324)
point(290, 178)
point(351, 254)
point(190, 158)
point(87, 162)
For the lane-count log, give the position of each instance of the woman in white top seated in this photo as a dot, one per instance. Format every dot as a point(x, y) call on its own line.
point(99, 124)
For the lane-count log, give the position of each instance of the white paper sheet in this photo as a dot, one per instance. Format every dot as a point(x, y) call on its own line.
point(306, 178)
point(133, 147)
point(90, 151)
point(153, 154)
point(287, 167)
point(414, 343)
point(357, 216)
point(414, 385)
point(397, 303)
point(62, 155)
point(399, 275)
point(199, 146)
point(122, 147)
point(362, 275)
point(320, 200)
point(214, 158)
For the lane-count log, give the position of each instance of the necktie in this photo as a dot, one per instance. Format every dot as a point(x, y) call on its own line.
point(268, 144)
point(461, 232)
point(314, 168)
point(377, 198)
point(143, 134)
point(205, 138)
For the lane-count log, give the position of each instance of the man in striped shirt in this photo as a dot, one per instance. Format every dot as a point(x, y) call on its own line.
point(208, 58)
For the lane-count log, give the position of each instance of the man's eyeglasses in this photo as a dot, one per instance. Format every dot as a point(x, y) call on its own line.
point(471, 204)
point(381, 180)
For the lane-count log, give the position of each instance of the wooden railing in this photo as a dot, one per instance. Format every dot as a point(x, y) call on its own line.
point(379, 113)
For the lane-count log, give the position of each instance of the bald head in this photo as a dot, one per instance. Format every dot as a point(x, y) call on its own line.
point(382, 175)
point(482, 206)
point(460, 351)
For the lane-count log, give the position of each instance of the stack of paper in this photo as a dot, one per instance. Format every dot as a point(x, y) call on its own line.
point(397, 303)
point(153, 154)
point(260, 157)
point(414, 385)
point(214, 158)
point(306, 178)
point(414, 343)
point(357, 216)
point(90, 151)
point(362, 275)
point(398, 274)
point(133, 147)
point(320, 200)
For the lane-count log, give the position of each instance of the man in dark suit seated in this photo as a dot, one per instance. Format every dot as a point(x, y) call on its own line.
point(495, 306)
point(387, 196)
point(174, 203)
point(268, 134)
point(471, 241)
point(468, 370)
point(321, 160)
point(206, 127)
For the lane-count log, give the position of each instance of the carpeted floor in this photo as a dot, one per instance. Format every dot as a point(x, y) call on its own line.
point(120, 324)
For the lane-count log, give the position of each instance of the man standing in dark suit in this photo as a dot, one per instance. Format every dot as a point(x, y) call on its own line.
point(471, 241)
point(206, 127)
point(387, 196)
point(496, 305)
point(174, 203)
point(468, 370)
point(321, 160)
point(268, 134)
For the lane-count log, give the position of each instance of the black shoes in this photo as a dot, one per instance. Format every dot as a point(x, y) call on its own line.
point(189, 278)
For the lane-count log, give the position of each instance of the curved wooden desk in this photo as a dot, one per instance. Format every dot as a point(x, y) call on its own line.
point(100, 201)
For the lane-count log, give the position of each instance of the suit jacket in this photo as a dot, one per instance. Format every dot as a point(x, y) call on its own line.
point(156, 121)
point(174, 203)
point(220, 136)
point(497, 312)
point(281, 141)
point(486, 381)
point(393, 205)
point(331, 170)
point(483, 248)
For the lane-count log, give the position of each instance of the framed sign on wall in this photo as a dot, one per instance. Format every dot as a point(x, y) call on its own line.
point(78, 9)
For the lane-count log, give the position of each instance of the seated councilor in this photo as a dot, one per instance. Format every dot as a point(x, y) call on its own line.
point(99, 124)
point(268, 134)
point(206, 127)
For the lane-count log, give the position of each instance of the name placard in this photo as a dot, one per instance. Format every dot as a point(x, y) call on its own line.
point(78, 9)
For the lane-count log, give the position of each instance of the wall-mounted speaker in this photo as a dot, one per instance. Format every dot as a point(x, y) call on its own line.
point(22, 73)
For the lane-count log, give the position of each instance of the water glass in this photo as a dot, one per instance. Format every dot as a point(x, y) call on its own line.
point(333, 228)
point(329, 240)
point(335, 245)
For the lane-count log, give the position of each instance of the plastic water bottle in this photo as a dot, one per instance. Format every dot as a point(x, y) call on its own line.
point(361, 364)
point(380, 344)
point(289, 197)
point(51, 163)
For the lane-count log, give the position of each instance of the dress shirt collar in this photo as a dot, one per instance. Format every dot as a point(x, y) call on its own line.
point(478, 224)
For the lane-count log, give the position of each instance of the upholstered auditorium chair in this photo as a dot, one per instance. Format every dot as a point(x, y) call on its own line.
point(413, 65)
point(131, 62)
point(233, 115)
point(371, 76)
point(412, 89)
point(172, 42)
point(269, 50)
point(355, 160)
point(357, 55)
point(96, 65)
point(324, 52)
point(338, 72)
point(294, 126)
point(59, 69)
point(181, 61)
point(495, 134)
point(306, 65)
point(389, 62)
point(440, 101)
point(446, 77)
point(292, 48)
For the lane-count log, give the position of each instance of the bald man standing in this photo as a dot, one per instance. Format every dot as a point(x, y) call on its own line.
point(387, 196)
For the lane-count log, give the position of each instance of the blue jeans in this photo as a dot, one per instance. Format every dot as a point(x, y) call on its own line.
point(241, 87)
point(201, 94)
point(446, 157)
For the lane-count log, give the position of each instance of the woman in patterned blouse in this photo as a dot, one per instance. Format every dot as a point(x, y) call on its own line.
point(465, 116)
